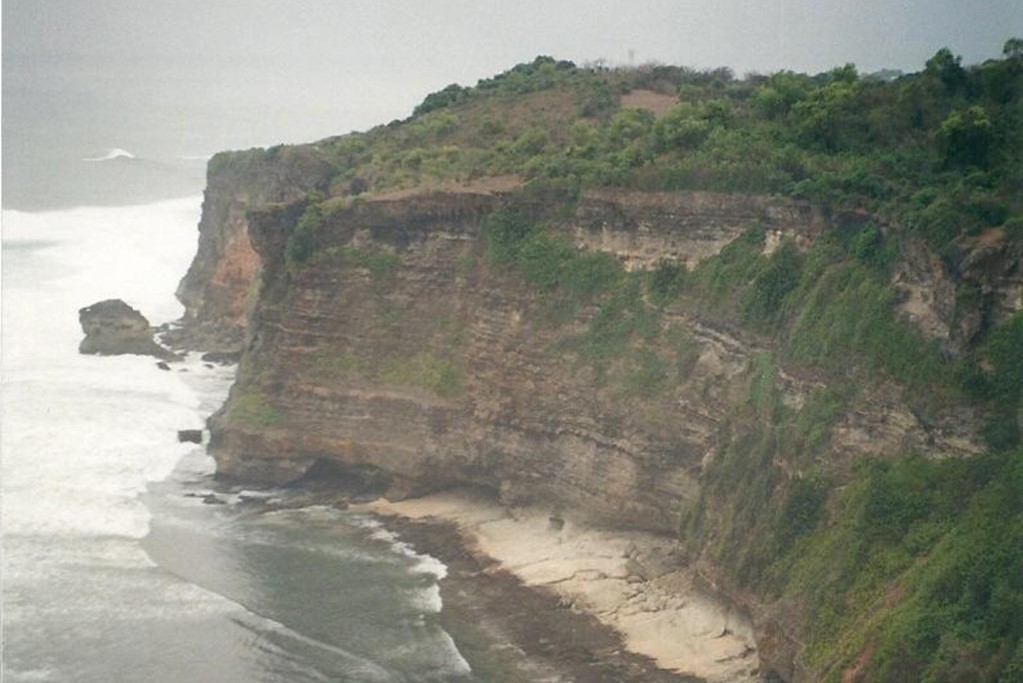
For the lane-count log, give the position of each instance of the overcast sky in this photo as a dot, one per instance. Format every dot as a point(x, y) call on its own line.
point(194, 76)
point(466, 39)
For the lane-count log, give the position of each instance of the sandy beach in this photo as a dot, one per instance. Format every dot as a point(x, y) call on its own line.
point(634, 584)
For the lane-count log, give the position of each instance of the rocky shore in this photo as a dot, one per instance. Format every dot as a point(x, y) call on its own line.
point(112, 328)
point(586, 604)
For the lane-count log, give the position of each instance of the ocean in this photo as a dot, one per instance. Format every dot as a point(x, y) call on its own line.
point(114, 567)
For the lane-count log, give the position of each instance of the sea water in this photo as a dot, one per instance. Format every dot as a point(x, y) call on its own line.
point(114, 567)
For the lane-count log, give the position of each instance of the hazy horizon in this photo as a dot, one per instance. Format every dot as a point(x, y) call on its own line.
point(174, 80)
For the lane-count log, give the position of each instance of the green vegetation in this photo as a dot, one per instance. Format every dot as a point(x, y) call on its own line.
point(622, 317)
point(252, 408)
point(302, 238)
point(426, 371)
point(995, 373)
point(939, 150)
point(548, 261)
point(378, 261)
point(921, 562)
point(887, 554)
point(911, 568)
point(423, 370)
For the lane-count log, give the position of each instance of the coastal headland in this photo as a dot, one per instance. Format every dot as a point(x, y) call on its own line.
point(736, 377)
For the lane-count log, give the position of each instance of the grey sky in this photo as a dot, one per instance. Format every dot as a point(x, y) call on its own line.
point(168, 78)
point(465, 39)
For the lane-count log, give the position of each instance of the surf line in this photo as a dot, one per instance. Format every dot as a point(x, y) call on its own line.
point(114, 153)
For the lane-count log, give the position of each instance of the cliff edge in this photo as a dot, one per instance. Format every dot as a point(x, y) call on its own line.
point(788, 386)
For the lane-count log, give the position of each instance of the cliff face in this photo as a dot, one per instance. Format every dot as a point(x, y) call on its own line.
point(218, 289)
point(396, 348)
point(820, 408)
point(395, 356)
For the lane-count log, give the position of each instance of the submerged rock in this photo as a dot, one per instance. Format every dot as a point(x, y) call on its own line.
point(190, 435)
point(112, 327)
point(222, 357)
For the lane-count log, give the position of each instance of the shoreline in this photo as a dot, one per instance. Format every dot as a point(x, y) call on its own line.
point(555, 600)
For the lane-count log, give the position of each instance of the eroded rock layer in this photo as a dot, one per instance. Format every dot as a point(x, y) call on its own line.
point(397, 346)
point(383, 347)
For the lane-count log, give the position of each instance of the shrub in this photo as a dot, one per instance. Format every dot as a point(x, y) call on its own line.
point(666, 281)
point(450, 95)
point(779, 276)
point(1004, 350)
point(301, 241)
point(965, 138)
point(646, 375)
point(802, 509)
point(379, 262)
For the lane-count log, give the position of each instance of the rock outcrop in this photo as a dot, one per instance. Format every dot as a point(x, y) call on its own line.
point(112, 328)
point(396, 357)
point(190, 435)
point(396, 347)
point(218, 289)
point(437, 371)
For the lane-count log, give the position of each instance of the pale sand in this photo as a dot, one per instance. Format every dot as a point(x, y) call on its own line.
point(628, 580)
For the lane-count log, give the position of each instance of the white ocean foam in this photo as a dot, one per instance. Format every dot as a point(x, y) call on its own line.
point(83, 435)
point(458, 663)
point(112, 153)
point(365, 522)
point(423, 563)
point(30, 675)
point(427, 599)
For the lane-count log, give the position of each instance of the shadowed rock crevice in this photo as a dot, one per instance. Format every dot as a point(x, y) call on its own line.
point(355, 481)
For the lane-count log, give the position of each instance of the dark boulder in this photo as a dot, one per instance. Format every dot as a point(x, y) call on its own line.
point(112, 327)
point(190, 435)
point(222, 357)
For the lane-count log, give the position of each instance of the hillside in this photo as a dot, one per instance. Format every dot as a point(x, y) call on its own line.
point(777, 319)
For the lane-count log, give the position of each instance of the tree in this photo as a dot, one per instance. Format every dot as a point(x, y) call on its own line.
point(450, 95)
point(1013, 49)
point(831, 117)
point(782, 90)
point(948, 69)
point(965, 138)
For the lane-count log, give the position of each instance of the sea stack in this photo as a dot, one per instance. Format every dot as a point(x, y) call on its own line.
point(112, 327)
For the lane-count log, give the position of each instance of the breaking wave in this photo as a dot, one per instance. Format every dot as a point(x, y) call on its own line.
point(112, 153)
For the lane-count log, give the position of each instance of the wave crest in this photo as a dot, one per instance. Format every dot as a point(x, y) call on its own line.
point(112, 153)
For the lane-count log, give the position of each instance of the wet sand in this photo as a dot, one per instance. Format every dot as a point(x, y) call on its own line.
point(531, 598)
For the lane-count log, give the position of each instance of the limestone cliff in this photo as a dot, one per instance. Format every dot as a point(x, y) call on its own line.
point(395, 347)
point(818, 402)
point(395, 356)
point(218, 288)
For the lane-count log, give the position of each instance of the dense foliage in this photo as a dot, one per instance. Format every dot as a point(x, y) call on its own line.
point(917, 563)
point(939, 151)
point(904, 568)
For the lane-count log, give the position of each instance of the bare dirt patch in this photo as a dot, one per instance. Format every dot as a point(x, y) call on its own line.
point(656, 102)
